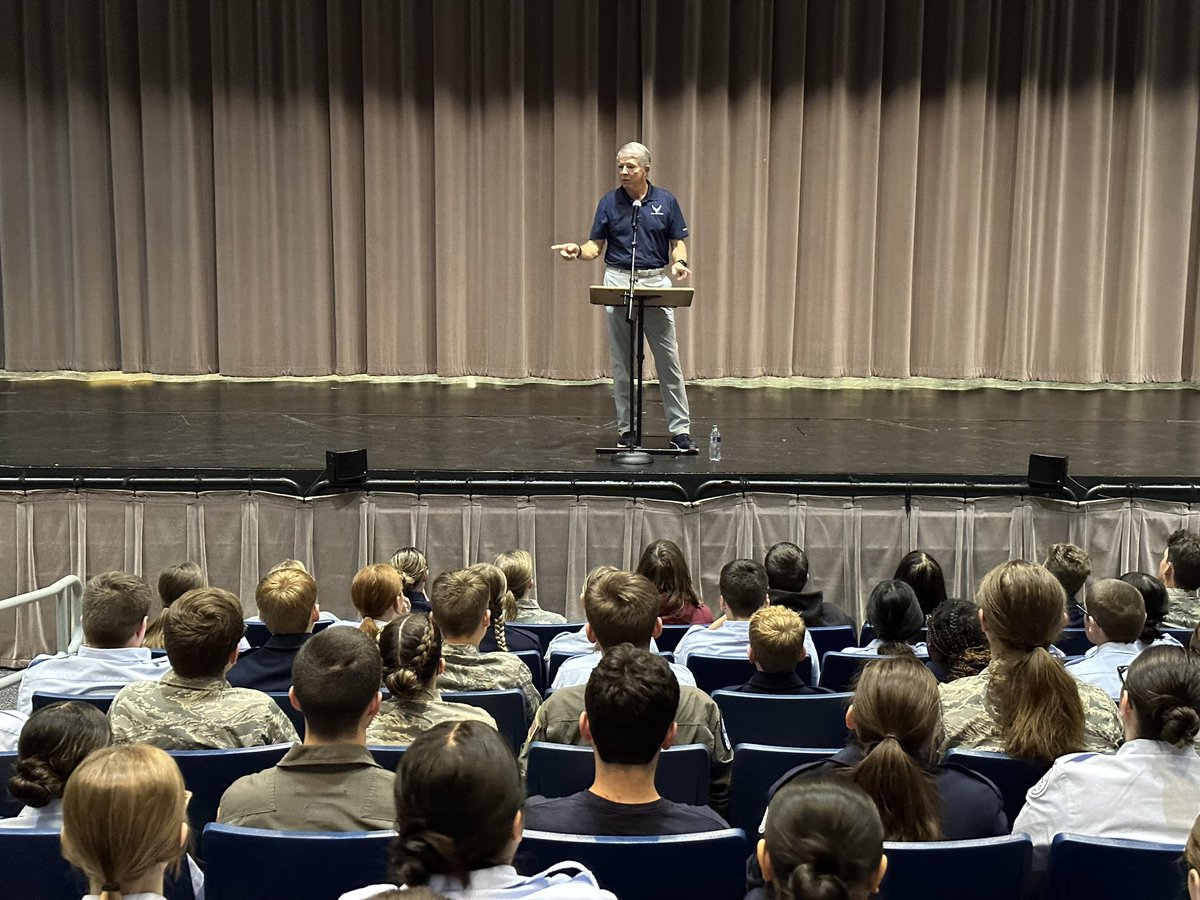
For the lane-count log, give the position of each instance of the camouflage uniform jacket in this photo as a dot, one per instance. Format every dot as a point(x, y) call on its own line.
point(1183, 608)
point(469, 670)
point(177, 713)
point(529, 613)
point(400, 723)
point(971, 721)
point(698, 721)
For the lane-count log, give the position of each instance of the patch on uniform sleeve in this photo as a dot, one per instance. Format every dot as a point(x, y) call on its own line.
point(725, 737)
point(1040, 788)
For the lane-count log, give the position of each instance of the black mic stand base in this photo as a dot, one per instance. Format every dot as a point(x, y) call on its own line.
point(631, 457)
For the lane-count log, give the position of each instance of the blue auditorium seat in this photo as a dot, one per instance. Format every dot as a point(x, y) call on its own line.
point(1074, 642)
point(755, 768)
point(838, 669)
point(557, 658)
point(284, 702)
point(785, 720)
point(298, 865)
point(867, 634)
point(9, 806)
point(546, 633)
point(985, 869)
point(208, 773)
point(388, 756)
point(670, 637)
point(1014, 777)
point(533, 660)
point(33, 866)
point(101, 701)
point(559, 770)
point(716, 672)
point(506, 707)
point(1099, 868)
point(711, 865)
point(832, 638)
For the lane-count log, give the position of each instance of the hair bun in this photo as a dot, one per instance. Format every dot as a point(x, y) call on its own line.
point(806, 882)
point(1180, 724)
point(35, 783)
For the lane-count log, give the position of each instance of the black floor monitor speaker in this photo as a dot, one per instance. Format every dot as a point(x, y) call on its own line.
point(1047, 471)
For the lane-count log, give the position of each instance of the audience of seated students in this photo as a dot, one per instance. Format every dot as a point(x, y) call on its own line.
point(460, 607)
point(896, 722)
point(56, 739)
point(1179, 571)
point(1114, 615)
point(615, 613)
point(923, 574)
point(787, 576)
point(115, 610)
point(459, 818)
point(502, 607)
point(895, 614)
point(414, 570)
point(678, 603)
point(623, 609)
point(1154, 598)
point(517, 566)
point(173, 583)
point(125, 821)
point(377, 592)
point(193, 707)
point(287, 605)
point(1150, 789)
point(743, 584)
point(629, 716)
point(330, 782)
point(411, 647)
point(1071, 565)
point(1024, 703)
point(821, 840)
point(777, 646)
point(956, 643)
point(1192, 854)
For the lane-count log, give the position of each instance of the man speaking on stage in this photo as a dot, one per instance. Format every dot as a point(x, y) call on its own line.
point(661, 233)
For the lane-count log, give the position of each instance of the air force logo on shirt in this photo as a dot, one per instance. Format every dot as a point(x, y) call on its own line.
point(656, 209)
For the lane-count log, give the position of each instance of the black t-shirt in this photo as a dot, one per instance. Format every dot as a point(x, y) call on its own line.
point(586, 813)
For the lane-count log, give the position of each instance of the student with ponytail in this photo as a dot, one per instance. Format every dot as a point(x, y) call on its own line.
point(503, 607)
point(460, 811)
point(377, 592)
point(517, 566)
point(1150, 789)
point(411, 647)
point(414, 570)
point(896, 722)
point(1025, 703)
point(125, 821)
point(822, 840)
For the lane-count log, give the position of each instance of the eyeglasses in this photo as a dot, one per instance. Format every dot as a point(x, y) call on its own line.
point(1083, 609)
point(1121, 670)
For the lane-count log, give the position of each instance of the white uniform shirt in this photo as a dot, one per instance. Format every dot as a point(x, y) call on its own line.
point(565, 881)
point(93, 672)
point(11, 723)
point(872, 649)
point(1099, 666)
point(578, 669)
point(576, 642)
point(1146, 791)
point(730, 640)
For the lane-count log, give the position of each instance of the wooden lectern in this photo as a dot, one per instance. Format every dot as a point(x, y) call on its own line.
point(635, 302)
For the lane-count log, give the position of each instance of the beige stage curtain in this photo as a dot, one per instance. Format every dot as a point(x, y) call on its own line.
point(852, 543)
point(955, 188)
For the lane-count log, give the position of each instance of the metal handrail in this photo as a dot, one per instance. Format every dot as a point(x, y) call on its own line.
point(1132, 490)
point(132, 482)
point(860, 486)
point(471, 485)
point(68, 615)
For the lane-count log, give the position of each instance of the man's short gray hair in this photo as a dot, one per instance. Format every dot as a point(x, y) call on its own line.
point(640, 152)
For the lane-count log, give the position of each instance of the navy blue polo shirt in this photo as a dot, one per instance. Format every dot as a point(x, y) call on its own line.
point(660, 222)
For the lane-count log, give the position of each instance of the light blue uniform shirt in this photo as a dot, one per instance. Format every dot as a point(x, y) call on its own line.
point(1099, 666)
point(578, 669)
point(93, 672)
point(730, 640)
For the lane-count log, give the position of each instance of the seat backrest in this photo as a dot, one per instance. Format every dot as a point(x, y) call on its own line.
point(388, 756)
point(33, 866)
point(755, 768)
point(209, 773)
point(546, 633)
point(533, 659)
point(867, 634)
point(258, 634)
point(557, 658)
point(101, 701)
point(284, 702)
point(1074, 642)
point(670, 637)
point(559, 770)
point(9, 805)
point(711, 865)
point(784, 720)
point(716, 672)
point(255, 862)
point(838, 669)
point(986, 869)
point(832, 638)
point(1183, 635)
point(1014, 777)
point(506, 707)
point(1082, 866)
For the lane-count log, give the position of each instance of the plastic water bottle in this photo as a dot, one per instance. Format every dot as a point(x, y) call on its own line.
point(714, 444)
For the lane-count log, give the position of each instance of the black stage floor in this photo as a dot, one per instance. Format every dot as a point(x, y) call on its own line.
point(113, 428)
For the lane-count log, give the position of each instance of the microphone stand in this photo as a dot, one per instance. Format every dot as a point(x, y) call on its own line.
point(633, 315)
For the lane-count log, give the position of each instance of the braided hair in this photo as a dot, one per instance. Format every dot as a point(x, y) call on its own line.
point(956, 639)
point(411, 647)
point(499, 598)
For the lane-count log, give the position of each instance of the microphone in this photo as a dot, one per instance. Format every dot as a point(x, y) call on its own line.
point(637, 209)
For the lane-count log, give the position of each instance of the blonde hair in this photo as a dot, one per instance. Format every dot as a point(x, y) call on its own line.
point(500, 599)
point(777, 638)
point(1036, 699)
point(289, 564)
point(124, 810)
point(374, 592)
point(411, 564)
point(285, 599)
point(517, 566)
